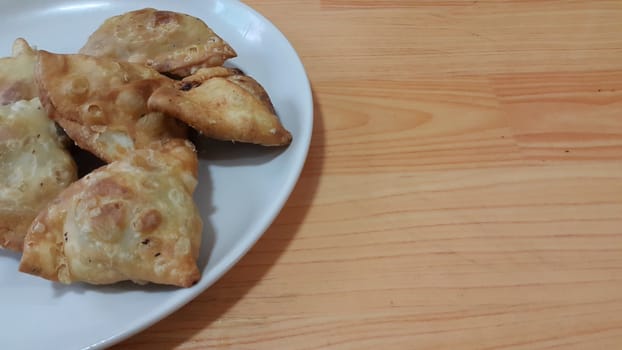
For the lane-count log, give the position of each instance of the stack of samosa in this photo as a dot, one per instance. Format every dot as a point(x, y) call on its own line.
point(128, 97)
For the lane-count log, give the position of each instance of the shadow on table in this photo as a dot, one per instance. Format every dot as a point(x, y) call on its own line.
point(235, 284)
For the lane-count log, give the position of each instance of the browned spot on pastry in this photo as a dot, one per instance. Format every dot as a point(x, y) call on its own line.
point(13, 92)
point(79, 86)
point(109, 217)
point(163, 17)
point(108, 187)
point(149, 221)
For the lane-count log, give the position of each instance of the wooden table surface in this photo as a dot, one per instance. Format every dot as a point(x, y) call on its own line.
point(463, 188)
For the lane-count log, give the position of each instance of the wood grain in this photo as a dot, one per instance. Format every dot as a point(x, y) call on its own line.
point(463, 188)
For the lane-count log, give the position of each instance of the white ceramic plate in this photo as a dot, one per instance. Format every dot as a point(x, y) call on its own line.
point(241, 188)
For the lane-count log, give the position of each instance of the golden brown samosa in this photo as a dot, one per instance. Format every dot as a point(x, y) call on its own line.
point(169, 42)
point(102, 104)
point(34, 168)
point(222, 103)
point(133, 219)
point(17, 74)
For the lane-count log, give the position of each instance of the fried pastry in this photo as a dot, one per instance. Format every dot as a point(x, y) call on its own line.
point(102, 104)
point(169, 42)
point(222, 103)
point(17, 74)
point(133, 219)
point(34, 168)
